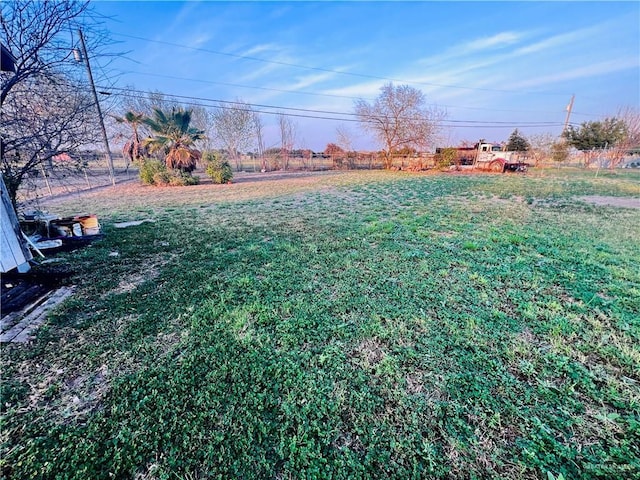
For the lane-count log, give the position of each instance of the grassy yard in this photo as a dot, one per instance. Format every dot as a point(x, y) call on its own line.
point(341, 325)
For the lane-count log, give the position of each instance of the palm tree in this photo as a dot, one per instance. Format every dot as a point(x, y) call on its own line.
point(133, 150)
point(173, 137)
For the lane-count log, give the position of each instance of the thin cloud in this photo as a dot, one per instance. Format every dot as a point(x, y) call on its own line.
point(360, 90)
point(473, 47)
point(183, 16)
point(257, 49)
point(568, 38)
point(199, 40)
point(587, 71)
point(309, 80)
point(499, 40)
point(261, 72)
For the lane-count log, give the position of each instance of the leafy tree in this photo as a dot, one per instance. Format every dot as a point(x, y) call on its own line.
point(154, 172)
point(406, 151)
point(174, 138)
point(272, 151)
point(399, 117)
point(517, 142)
point(596, 134)
point(133, 148)
point(446, 157)
point(592, 137)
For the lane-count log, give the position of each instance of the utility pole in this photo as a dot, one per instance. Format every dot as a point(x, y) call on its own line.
point(569, 108)
point(95, 98)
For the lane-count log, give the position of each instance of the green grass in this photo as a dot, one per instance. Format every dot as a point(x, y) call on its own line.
point(359, 325)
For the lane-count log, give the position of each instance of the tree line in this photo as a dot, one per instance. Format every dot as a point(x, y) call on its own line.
point(48, 114)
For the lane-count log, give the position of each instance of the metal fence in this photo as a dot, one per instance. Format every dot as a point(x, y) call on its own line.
point(59, 178)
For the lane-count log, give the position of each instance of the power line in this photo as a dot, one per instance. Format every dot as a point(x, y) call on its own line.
point(299, 92)
point(328, 70)
point(317, 114)
point(328, 112)
point(226, 84)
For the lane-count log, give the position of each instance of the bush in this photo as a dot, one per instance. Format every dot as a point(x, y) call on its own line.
point(559, 152)
point(161, 178)
point(217, 167)
point(446, 158)
point(153, 172)
point(182, 179)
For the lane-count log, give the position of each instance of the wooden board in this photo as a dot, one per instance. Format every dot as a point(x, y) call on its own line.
point(13, 253)
point(21, 325)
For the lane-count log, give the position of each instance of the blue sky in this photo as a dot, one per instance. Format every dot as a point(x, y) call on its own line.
point(493, 66)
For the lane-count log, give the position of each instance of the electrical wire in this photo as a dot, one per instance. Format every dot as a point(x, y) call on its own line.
point(299, 92)
point(329, 70)
point(317, 114)
point(225, 84)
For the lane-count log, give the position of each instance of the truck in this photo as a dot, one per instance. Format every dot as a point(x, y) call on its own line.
point(496, 158)
point(490, 157)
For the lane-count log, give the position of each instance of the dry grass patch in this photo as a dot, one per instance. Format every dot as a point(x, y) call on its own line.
point(609, 201)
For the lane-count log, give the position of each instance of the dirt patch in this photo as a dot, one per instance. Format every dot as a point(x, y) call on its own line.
point(369, 352)
point(624, 202)
point(147, 272)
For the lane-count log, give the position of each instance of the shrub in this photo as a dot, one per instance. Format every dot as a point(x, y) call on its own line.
point(182, 179)
point(559, 152)
point(161, 178)
point(446, 158)
point(217, 167)
point(153, 172)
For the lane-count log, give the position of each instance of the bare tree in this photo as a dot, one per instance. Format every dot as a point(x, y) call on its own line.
point(135, 101)
point(235, 128)
point(202, 119)
point(44, 126)
point(345, 141)
point(38, 34)
point(399, 117)
point(336, 152)
point(631, 139)
point(287, 138)
point(631, 117)
point(541, 147)
point(258, 127)
point(45, 110)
